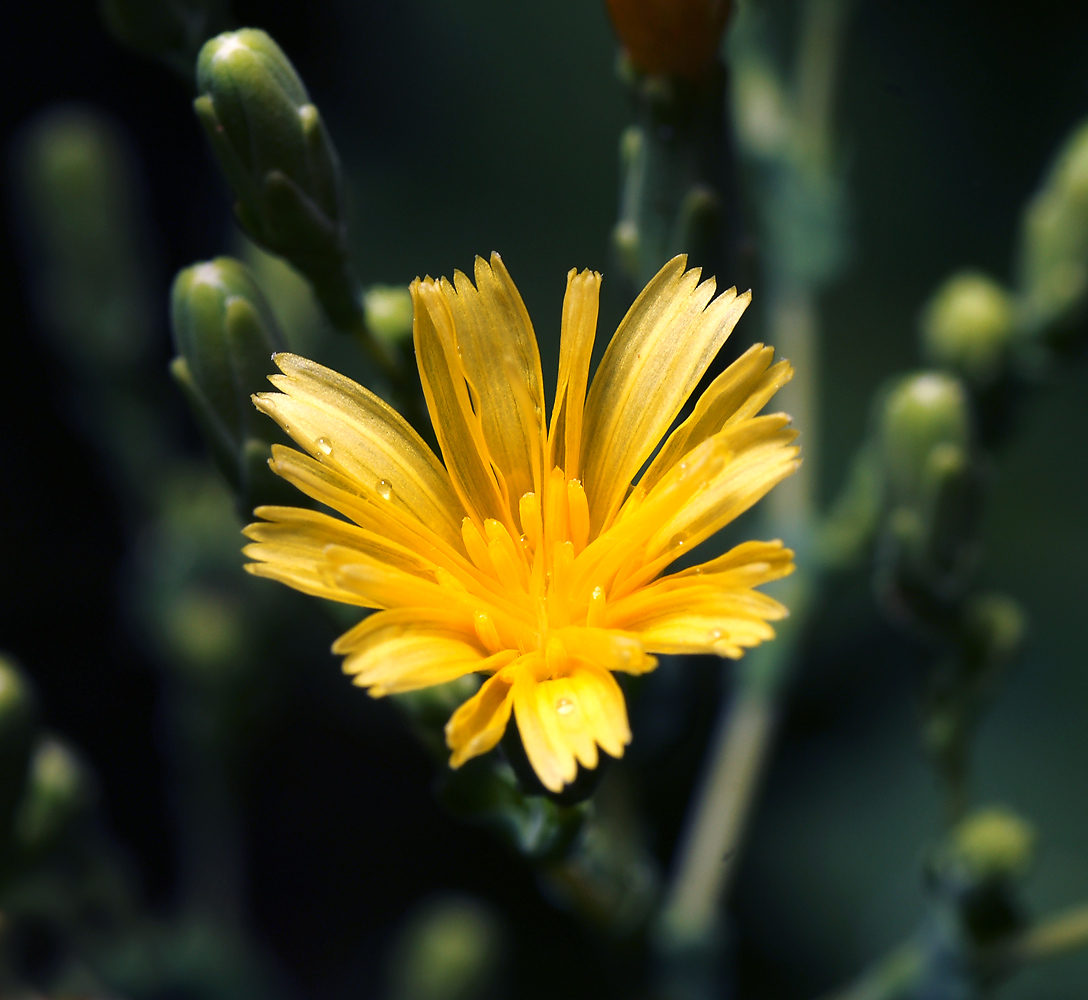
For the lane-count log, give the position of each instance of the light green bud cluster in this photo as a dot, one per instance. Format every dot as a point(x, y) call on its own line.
point(1053, 271)
point(225, 335)
point(274, 149)
point(968, 327)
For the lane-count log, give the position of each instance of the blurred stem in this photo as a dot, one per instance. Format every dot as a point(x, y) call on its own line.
point(736, 758)
point(900, 973)
point(1049, 938)
point(211, 843)
point(817, 70)
point(792, 328)
point(889, 979)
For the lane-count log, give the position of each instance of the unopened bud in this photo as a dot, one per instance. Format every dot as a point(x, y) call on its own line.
point(992, 845)
point(449, 951)
point(920, 412)
point(950, 499)
point(1054, 245)
point(276, 153)
point(967, 327)
point(18, 716)
point(388, 312)
point(79, 203)
point(225, 335)
point(992, 630)
point(59, 790)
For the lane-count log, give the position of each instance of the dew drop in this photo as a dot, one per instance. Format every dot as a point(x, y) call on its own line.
point(324, 446)
point(564, 706)
point(715, 633)
point(385, 489)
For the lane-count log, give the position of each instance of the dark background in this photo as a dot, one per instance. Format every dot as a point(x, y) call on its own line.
point(478, 125)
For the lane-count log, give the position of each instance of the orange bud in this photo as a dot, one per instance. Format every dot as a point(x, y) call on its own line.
point(678, 37)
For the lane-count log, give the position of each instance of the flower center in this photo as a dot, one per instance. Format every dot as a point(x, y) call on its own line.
point(536, 575)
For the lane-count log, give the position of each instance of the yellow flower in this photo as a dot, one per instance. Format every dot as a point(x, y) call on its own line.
point(529, 555)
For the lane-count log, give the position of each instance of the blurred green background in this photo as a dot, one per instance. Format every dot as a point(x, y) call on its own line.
point(468, 126)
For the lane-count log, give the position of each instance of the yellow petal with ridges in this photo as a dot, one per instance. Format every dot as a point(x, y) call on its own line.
point(741, 391)
point(581, 304)
point(457, 424)
point(498, 355)
point(479, 724)
point(345, 426)
point(660, 351)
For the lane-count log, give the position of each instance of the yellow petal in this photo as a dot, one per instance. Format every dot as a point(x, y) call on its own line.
point(480, 722)
point(741, 391)
point(292, 545)
point(561, 721)
point(710, 608)
point(481, 370)
point(457, 423)
point(287, 531)
point(579, 328)
point(348, 428)
point(609, 649)
point(761, 456)
point(366, 508)
point(410, 648)
point(660, 351)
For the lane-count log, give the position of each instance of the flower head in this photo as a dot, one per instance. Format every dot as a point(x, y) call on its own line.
point(534, 554)
point(671, 36)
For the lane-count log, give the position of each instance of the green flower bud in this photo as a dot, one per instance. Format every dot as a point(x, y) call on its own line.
point(18, 717)
point(967, 326)
point(698, 222)
point(388, 312)
point(449, 951)
point(992, 845)
point(225, 335)
point(950, 499)
point(1053, 272)
point(58, 793)
point(992, 635)
point(920, 412)
point(77, 197)
point(273, 147)
point(171, 30)
point(205, 634)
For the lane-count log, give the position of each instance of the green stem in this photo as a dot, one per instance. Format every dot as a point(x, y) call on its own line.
point(736, 759)
point(889, 979)
point(817, 70)
point(1049, 938)
point(792, 328)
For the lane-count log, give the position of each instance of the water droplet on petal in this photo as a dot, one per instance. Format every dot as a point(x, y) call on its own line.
point(324, 446)
point(385, 489)
point(564, 706)
point(715, 633)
